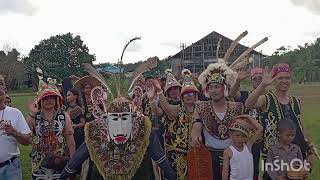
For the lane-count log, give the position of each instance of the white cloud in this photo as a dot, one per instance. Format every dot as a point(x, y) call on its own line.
point(170, 44)
point(312, 5)
point(134, 47)
point(17, 6)
point(314, 33)
point(105, 26)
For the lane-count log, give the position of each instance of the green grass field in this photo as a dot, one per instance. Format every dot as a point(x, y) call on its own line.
point(310, 96)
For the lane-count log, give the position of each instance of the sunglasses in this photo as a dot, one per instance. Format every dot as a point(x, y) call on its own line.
point(191, 94)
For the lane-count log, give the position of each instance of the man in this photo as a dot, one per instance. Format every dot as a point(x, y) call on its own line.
point(277, 105)
point(241, 96)
point(13, 131)
point(172, 90)
point(213, 118)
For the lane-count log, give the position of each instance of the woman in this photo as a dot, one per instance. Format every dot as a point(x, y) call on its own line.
point(85, 85)
point(75, 112)
point(53, 142)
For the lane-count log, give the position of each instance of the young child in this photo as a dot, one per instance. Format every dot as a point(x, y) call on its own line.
point(238, 156)
point(284, 151)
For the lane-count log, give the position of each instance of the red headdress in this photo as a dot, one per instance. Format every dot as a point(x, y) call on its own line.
point(281, 67)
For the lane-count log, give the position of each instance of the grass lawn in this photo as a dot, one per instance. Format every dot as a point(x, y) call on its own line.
point(21, 103)
point(310, 96)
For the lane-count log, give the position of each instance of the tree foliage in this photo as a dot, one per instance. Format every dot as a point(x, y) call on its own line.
point(158, 71)
point(304, 60)
point(12, 68)
point(59, 56)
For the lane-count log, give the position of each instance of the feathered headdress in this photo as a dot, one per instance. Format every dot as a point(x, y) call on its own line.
point(221, 73)
point(141, 127)
point(217, 73)
point(188, 85)
point(143, 67)
point(171, 81)
point(47, 89)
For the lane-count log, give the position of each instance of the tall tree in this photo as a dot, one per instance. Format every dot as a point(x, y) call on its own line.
point(12, 68)
point(59, 56)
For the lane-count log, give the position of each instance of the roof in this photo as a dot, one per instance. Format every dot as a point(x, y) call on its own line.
point(212, 40)
point(110, 69)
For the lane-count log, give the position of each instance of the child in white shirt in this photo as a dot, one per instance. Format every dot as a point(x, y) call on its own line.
point(238, 157)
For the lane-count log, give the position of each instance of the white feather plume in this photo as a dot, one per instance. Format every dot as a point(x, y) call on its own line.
point(185, 71)
point(93, 72)
point(167, 71)
point(220, 66)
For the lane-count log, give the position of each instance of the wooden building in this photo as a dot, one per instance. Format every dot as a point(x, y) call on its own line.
point(198, 55)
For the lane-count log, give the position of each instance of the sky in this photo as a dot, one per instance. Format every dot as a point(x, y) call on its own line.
point(106, 25)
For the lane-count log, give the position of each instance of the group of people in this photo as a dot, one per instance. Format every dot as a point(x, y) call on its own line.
point(85, 130)
point(147, 133)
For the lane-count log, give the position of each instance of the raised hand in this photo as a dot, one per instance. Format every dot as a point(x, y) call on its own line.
point(151, 93)
point(32, 106)
point(156, 86)
point(267, 77)
point(243, 74)
point(152, 62)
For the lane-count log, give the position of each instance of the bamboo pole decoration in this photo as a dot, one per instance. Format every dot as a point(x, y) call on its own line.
point(218, 47)
point(248, 51)
point(143, 67)
point(120, 64)
point(233, 45)
point(242, 63)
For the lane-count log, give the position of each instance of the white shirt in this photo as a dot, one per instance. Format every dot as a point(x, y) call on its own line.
point(213, 142)
point(9, 144)
point(241, 164)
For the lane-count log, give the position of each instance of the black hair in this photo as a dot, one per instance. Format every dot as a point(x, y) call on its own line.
point(163, 79)
point(66, 86)
point(75, 92)
point(285, 124)
point(8, 97)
